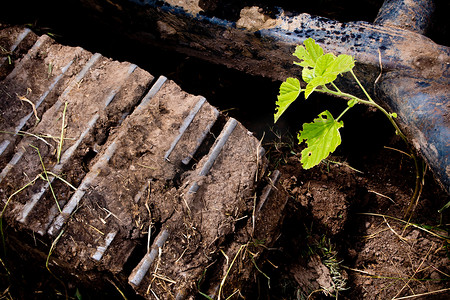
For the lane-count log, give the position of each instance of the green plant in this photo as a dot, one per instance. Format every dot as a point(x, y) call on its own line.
point(322, 136)
point(4, 52)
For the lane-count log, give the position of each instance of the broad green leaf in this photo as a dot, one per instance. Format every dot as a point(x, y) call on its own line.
point(343, 63)
point(322, 137)
point(318, 81)
point(323, 63)
point(305, 59)
point(307, 74)
point(313, 49)
point(289, 91)
point(309, 55)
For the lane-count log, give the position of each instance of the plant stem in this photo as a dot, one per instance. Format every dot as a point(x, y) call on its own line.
point(340, 116)
point(419, 174)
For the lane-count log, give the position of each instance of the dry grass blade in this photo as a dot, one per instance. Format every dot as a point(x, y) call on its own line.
point(52, 248)
point(423, 294)
point(23, 98)
point(222, 283)
point(415, 272)
point(418, 226)
point(23, 133)
point(61, 140)
point(381, 195)
point(117, 288)
point(62, 179)
point(18, 191)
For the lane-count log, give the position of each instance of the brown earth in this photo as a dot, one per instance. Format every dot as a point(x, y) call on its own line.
point(337, 214)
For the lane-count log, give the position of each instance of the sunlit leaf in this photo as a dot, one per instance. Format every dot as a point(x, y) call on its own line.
point(313, 49)
point(323, 63)
point(307, 74)
point(322, 137)
point(343, 63)
point(309, 54)
point(318, 81)
point(289, 91)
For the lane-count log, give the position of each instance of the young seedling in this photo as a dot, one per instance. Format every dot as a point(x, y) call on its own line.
point(322, 136)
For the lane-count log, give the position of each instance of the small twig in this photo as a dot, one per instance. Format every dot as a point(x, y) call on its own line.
point(154, 294)
point(50, 70)
point(96, 229)
point(253, 215)
point(393, 231)
point(144, 166)
point(156, 270)
point(258, 147)
point(149, 217)
point(164, 278)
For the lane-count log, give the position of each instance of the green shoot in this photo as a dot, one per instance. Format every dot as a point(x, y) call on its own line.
point(47, 262)
point(322, 136)
point(444, 207)
point(46, 176)
point(4, 52)
point(320, 70)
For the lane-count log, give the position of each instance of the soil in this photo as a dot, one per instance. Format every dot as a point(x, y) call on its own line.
point(344, 219)
point(360, 216)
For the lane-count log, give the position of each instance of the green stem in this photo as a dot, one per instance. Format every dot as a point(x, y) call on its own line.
point(419, 173)
point(46, 177)
point(337, 89)
point(345, 110)
point(361, 86)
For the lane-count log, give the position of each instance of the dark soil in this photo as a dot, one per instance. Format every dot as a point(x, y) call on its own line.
point(348, 209)
point(356, 213)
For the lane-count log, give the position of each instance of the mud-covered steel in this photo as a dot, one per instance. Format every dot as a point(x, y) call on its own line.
point(212, 156)
point(424, 105)
point(62, 218)
point(187, 121)
point(406, 14)
point(144, 265)
point(13, 47)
